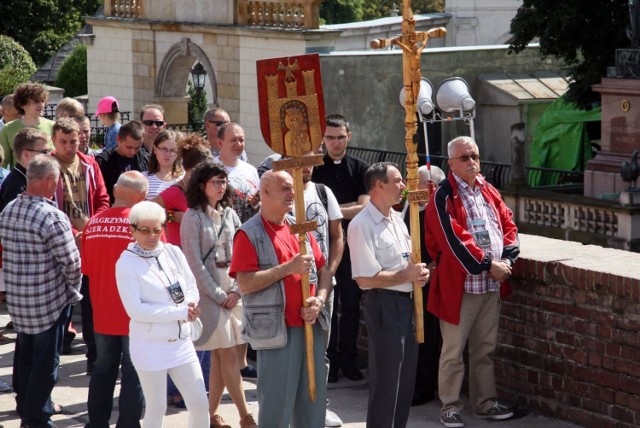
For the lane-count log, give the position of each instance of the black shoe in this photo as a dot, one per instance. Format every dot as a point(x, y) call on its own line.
point(66, 349)
point(333, 373)
point(421, 398)
point(249, 372)
point(351, 372)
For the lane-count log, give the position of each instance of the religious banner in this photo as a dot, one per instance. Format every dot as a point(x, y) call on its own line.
point(292, 117)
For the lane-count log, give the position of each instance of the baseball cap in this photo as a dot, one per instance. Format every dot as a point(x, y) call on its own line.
point(107, 105)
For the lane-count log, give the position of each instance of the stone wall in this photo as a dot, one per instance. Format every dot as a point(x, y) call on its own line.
point(364, 87)
point(569, 343)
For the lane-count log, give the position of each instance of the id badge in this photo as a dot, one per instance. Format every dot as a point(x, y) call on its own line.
point(482, 238)
point(175, 291)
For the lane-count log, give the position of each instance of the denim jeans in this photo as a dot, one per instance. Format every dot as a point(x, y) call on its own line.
point(38, 364)
point(113, 355)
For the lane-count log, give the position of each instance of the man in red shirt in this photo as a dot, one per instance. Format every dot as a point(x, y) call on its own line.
point(264, 283)
point(105, 237)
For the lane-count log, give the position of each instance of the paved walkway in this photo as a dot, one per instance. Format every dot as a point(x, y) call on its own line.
point(348, 399)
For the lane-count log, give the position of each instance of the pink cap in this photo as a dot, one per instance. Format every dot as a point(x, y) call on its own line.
point(107, 105)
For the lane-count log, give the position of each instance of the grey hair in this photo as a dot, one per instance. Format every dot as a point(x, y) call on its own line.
point(133, 180)
point(147, 211)
point(458, 140)
point(377, 171)
point(437, 174)
point(42, 166)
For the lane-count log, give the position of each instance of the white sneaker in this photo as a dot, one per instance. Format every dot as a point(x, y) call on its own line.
point(6, 388)
point(332, 420)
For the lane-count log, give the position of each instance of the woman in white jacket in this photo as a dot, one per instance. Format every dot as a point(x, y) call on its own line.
point(159, 293)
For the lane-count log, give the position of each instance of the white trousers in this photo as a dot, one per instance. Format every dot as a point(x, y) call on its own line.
point(188, 378)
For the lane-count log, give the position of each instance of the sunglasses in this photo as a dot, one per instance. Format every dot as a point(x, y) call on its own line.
point(42, 152)
point(218, 123)
point(465, 158)
point(147, 231)
point(157, 123)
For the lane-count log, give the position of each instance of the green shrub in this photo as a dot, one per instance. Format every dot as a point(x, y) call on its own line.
point(73, 72)
point(197, 104)
point(16, 65)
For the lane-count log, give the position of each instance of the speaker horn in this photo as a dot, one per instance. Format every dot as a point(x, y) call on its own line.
point(453, 95)
point(425, 103)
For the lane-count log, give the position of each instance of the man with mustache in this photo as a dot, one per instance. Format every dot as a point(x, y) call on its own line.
point(471, 235)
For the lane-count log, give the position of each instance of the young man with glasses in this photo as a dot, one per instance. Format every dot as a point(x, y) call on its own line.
point(213, 120)
point(152, 118)
point(344, 175)
point(27, 143)
point(471, 235)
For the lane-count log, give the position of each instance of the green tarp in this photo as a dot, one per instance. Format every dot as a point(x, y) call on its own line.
point(561, 140)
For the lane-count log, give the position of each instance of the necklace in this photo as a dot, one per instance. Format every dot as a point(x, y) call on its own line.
point(278, 237)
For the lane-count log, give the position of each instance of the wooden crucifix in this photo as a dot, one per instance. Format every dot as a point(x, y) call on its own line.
point(412, 44)
point(292, 121)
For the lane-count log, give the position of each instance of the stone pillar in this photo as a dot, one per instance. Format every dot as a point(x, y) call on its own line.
point(620, 135)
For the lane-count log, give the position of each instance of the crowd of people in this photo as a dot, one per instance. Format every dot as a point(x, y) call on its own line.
point(181, 254)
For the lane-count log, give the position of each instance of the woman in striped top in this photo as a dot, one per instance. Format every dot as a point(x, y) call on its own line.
point(165, 167)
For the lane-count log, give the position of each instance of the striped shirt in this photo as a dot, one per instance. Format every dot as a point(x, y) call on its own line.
point(479, 210)
point(157, 186)
point(40, 261)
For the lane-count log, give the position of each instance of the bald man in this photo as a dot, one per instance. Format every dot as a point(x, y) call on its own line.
point(105, 237)
point(266, 285)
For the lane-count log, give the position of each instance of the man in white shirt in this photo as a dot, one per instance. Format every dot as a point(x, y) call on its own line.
point(243, 177)
point(382, 266)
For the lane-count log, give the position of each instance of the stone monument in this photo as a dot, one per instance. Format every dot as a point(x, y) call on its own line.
point(620, 116)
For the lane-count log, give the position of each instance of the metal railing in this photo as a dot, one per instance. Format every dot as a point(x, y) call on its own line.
point(496, 173)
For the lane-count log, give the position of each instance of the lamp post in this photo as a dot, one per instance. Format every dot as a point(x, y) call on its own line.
point(199, 77)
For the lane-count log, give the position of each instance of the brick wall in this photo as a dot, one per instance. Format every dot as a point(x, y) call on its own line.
point(569, 341)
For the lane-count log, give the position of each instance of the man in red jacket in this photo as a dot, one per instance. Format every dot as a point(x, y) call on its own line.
point(80, 194)
point(473, 239)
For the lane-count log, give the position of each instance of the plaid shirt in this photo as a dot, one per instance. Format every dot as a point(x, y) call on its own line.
point(478, 209)
point(40, 261)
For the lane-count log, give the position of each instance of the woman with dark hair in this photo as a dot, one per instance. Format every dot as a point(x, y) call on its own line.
point(207, 231)
point(165, 166)
point(192, 149)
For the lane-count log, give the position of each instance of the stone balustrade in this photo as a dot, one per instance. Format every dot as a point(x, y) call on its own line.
point(131, 9)
point(277, 14)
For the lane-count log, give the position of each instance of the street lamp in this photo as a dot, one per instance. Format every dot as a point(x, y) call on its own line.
point(198, 76)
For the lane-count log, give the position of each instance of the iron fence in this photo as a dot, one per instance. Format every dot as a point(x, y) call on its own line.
point(496, 173)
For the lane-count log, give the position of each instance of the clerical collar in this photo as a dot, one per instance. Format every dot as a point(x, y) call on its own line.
point(337, 162)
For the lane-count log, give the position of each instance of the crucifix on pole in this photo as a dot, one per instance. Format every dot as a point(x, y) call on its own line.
point(412, 43)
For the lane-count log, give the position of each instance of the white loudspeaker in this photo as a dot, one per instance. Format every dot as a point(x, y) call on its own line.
point(453, 95)
point(425, 105)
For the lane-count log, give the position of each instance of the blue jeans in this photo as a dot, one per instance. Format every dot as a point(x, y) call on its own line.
point(38, 364)
point(113, 356)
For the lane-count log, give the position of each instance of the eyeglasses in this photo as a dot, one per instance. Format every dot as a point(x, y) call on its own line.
point(465, 158)
point(167, 151)
point(42, 152)
point(218, 183)
point(157, 123)
point(147, 231)
point(334, 138)
point(218, 123)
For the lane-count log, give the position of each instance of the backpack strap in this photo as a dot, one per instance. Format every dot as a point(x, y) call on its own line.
point(322, 194)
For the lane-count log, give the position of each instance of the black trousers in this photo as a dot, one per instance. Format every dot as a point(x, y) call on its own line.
point(428, 352)
point(345, 320)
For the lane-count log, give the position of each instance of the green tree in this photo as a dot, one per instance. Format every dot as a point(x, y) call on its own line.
point(341, 11)
point(73, 72)
point(583, 33)
point(43, 26)
point(197, 104)
point(16, 65)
